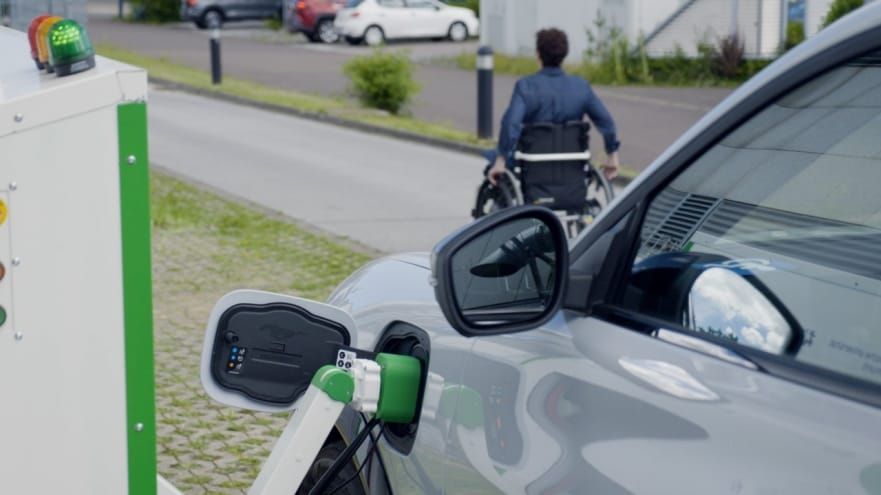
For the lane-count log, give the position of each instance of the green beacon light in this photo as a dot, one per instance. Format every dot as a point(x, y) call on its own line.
point(70, 50)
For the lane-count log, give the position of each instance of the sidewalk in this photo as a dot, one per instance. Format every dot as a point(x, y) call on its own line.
point(649, 119)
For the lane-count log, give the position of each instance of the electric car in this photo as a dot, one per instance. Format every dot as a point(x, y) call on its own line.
point(715, 330)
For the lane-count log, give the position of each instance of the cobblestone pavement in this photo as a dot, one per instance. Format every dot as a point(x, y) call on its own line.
point(203, 247)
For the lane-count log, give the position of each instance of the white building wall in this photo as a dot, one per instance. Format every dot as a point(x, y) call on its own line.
point(815, 11)
point(509, 26)
point(759, 24)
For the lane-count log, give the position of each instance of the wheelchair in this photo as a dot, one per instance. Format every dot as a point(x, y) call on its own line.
point(552, 168)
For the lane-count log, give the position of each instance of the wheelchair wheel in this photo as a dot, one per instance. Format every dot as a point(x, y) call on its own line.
point(599, 193)
point(492, 198)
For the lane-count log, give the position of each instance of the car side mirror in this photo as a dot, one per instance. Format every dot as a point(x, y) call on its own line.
point(504, 273)
point(728, 304)
point(718, 296)
point(261, 349)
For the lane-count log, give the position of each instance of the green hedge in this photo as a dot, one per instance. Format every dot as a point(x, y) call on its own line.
point(156, 10)
point(839, 9)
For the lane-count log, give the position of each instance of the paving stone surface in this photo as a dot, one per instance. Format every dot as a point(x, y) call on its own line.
point(204, 247)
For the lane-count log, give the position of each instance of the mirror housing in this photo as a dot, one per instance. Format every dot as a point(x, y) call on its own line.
point(261, 349)
point(509, 270)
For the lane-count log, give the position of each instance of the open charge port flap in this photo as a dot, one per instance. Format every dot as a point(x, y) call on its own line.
point(270, 352)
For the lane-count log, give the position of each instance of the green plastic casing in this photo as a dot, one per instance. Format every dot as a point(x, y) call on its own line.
point(399, 389)
point(70, 48)
point(335, 382)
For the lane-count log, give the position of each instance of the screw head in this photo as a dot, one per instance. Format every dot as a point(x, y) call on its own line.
point(16, 261)
point(13, 186)
point(139, 426)
point(132, 159)
point(18, 117)
point(19, 335)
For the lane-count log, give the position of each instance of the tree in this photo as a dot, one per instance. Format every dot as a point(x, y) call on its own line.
point(839, 9)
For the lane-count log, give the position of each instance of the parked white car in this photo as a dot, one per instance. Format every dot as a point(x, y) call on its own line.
point(375, 21)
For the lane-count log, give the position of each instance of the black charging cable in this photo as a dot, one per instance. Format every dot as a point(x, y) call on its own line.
point(367, 459)
point(323, 483)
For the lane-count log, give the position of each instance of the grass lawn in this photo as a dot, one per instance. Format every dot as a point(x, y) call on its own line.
point(162, 69)
point(203, 247)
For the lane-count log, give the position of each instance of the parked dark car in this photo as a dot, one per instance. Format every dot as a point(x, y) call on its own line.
point(210, 13)
point(314, 18)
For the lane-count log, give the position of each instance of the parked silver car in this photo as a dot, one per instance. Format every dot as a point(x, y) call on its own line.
point(716, 330)
point(211, 13)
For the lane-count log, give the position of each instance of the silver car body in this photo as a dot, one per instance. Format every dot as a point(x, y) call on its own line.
point(586, 405)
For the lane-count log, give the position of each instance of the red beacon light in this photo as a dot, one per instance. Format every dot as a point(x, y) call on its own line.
point(32, 38)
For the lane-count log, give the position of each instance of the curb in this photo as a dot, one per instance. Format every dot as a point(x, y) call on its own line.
point(468, 149)
point(322, 117)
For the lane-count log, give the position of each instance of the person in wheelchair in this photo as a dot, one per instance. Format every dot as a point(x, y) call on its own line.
point(546, 115)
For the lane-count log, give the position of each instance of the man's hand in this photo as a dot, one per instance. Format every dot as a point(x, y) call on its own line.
point(497, 170)
point(610, 169)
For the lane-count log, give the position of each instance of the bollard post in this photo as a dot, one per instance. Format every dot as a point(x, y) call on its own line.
point(485, 92)
point(216, 75)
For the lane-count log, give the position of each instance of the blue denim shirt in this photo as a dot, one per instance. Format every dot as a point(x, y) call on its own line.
point(551, 95)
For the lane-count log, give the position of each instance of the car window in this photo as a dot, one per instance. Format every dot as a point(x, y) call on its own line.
point(772, 238)
point(391, 3)
point(351, 4)
point(421, 4)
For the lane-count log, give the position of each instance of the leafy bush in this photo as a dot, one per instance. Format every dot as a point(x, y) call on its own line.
point(156, 10)
point(728, 58)
point(839, 9)
point(795, 34)
point(382, 80)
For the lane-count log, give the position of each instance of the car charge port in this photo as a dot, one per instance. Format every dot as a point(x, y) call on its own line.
point(406, 340)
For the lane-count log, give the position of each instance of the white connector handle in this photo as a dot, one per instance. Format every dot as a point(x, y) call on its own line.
point(367, 385)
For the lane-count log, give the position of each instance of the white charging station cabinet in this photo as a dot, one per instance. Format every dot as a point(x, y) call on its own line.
point(76, 343)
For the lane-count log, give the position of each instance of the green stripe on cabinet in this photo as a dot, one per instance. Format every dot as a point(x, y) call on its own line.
point(134, 187)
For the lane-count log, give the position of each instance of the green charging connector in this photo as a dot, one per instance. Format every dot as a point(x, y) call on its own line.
point(399, 392)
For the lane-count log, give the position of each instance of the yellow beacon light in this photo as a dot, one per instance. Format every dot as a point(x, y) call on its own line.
point(43, 41)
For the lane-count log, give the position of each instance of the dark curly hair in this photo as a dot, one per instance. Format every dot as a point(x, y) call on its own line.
point(552, 46)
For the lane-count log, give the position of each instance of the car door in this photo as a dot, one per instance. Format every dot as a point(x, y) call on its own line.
point(721, 332)
point(394, 18)
point(426, 19)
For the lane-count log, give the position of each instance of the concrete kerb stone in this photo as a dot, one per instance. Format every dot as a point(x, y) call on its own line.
point(322, 117)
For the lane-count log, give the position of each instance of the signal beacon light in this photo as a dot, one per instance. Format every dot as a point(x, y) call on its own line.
point(43, 42)
point(70, 49)
point(32, 37)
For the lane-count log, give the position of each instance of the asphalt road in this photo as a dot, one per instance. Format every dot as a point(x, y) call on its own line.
point(388, 194)
point(649, 119)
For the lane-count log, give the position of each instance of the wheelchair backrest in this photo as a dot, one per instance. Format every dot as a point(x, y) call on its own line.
point(570, 137)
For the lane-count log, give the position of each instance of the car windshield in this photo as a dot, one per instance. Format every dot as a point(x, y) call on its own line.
point(351, 4)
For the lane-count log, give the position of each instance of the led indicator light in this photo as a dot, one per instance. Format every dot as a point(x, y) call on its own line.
point(32, 37)
point(70, 49)
point(3, 212)
point(2, 316)
point(43, 42)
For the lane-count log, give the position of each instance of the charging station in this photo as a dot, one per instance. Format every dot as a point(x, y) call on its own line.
point(76, 337)
point(76, 331)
